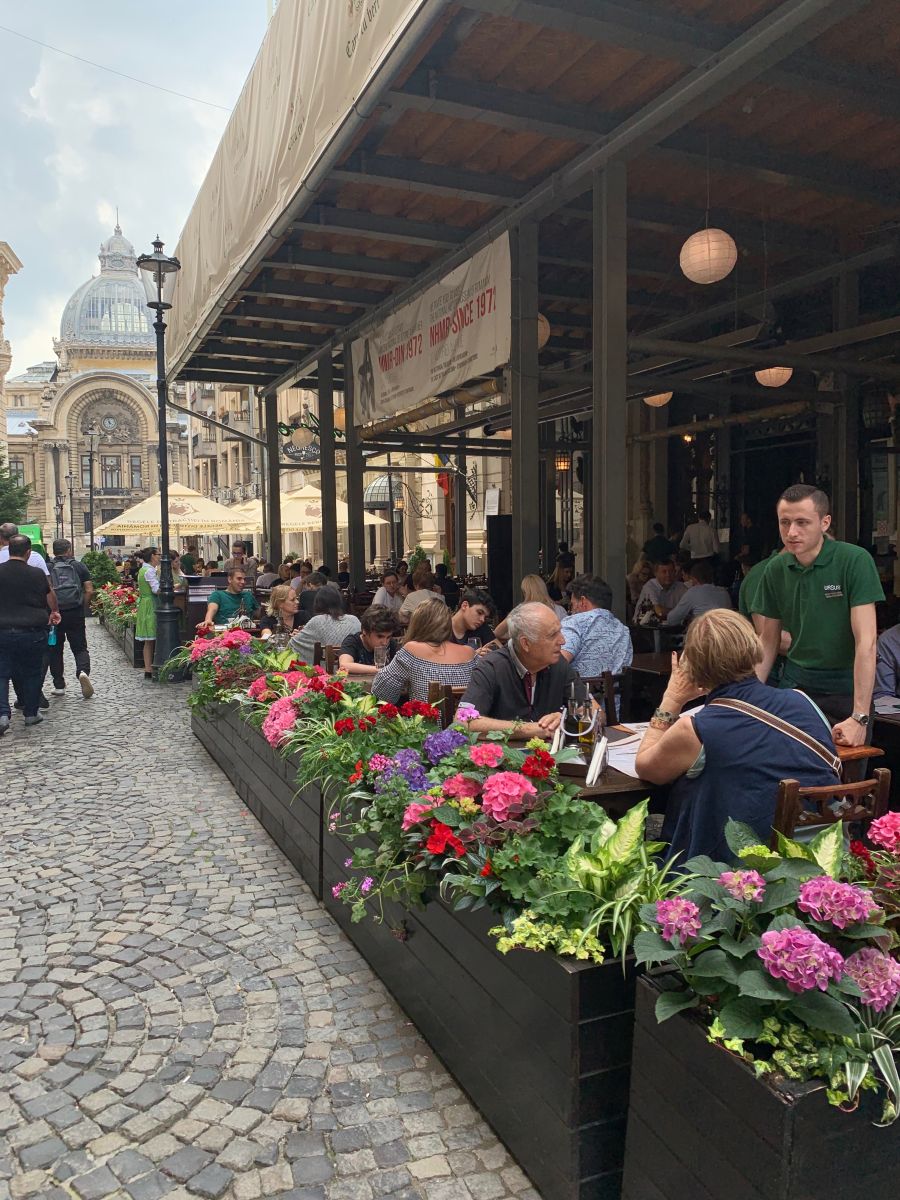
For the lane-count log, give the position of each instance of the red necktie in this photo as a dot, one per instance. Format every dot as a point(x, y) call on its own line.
point(528, 684)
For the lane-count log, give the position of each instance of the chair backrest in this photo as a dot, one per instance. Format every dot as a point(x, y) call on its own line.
point(317, 654)
point(332, 653)
point(446, 698)
point(607, 689)
point(804, 807)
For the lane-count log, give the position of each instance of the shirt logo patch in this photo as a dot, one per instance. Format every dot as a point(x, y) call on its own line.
point(833, 591)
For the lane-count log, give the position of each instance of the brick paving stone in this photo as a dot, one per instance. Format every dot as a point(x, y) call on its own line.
point(178, 1016)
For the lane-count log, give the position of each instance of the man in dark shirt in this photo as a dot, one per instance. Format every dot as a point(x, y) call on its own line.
point(73, 586)
point(470, 621)
point(526, 683)
point(308, 597)
point(377, 628)
point(658, 548)
point(449, 587)
point(27, 606)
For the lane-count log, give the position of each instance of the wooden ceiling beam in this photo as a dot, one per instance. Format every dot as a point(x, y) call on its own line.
point(321, 218)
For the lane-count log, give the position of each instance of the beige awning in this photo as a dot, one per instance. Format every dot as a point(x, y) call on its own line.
point(301, 512)
point(190, 512)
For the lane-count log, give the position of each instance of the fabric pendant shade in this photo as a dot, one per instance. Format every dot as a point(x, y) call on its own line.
point(302, 437)
point(340, 418)
point(708, 256)
point(659, 400)
point(773, 377)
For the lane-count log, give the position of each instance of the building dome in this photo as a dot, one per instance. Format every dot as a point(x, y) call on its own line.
point(379, 492)
point(110, 309)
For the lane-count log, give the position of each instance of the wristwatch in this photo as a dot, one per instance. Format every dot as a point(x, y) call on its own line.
point(861, 719)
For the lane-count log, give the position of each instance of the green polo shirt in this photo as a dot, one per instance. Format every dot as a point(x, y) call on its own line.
point(229, 604)
point(748, 596)
point(813, 604)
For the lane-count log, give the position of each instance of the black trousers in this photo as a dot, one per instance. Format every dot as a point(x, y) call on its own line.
point(71, 629)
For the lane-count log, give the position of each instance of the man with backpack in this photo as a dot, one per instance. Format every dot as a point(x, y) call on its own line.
point(72, 583)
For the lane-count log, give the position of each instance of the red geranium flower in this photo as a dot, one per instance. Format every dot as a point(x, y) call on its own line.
point(389, 711)
point(344, 726)
point(332, 693)
point(538, 765)
point(442, 837)
point(487, 869)
point(358, 773)
point(418, 708)
point(861, 851)
point(316, 685)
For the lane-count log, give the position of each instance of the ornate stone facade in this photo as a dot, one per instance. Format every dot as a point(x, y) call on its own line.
point(93, 408)
point(9, 265)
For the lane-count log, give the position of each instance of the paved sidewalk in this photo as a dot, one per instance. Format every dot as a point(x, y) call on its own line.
point(178, 1015)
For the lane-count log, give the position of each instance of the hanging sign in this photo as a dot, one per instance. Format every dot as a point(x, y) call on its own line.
point(456, 330)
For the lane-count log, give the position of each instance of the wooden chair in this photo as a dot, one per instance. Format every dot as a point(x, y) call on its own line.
point(863, 801)
point(317, 654)
point(332, 654)
point(606, 689)
point(446, 698)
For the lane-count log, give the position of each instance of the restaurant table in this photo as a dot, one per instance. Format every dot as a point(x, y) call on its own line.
point(653, 664)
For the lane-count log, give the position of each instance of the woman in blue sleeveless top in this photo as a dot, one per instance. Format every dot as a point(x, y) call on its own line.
point(724, 762)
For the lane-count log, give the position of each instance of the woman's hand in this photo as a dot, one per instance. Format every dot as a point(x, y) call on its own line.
point(680, 689)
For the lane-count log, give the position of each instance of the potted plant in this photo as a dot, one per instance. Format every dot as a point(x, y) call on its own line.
point(781, 1011)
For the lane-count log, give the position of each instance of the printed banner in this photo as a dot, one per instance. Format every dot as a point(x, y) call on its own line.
point(456, 330)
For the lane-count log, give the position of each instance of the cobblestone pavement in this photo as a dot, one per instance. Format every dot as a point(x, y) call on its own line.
point(179, 1016)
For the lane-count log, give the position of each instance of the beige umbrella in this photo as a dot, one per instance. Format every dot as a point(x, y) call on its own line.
point(301, 512)
point(190, 512)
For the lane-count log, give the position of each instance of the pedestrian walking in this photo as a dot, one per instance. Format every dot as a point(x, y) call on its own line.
point(27, 606)
point(73, 586)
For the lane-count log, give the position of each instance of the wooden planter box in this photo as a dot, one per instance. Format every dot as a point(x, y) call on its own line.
point(542, 1045)
point(264, 780)
point(134, 651)
point(701, 1125)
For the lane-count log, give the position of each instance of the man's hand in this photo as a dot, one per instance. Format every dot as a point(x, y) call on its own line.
point(55, 617)
point(548, 723)
point(849, 733)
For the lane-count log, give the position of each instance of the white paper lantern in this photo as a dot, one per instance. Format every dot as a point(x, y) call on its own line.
point(340, 418)
point(774, 376)
point(543, 331)
point(660, 399)
point(708, 256)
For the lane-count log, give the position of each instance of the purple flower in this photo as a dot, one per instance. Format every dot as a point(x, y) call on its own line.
point(348, 862)
point(467, 712)
point(878, 977)
point(840, 903)
point(367, 884)
point(337, 889)
point(743, 885)
point(679, 919)
point(245, 649)
point(439, 745)
point(800, 958)
point(406, 765)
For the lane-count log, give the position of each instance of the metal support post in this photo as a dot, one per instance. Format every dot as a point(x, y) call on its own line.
point(461, 508)
point(523, 393)
point(845, 501)
point(273, 456)
point(357, 532)
point(168, 616)
point(327, 477)
point(610, 337)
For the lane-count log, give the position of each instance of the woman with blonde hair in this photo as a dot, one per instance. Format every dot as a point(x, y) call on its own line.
point(534, 591)
point(726, 758)
point(428, 655)
point(281, 610)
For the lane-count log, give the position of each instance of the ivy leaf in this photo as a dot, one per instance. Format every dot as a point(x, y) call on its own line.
point(650, 947)
point(761, 986)
point(670, 1003)
point(818, 1010)
point(743, 1017)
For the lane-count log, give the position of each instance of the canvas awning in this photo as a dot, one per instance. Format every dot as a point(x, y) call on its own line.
point(190, 512)
point(301, 512)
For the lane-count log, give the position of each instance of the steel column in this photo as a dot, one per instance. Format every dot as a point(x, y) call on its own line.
point(610, 380)
point(357, 532)
point(273, 457)
point(327, 477)
point(523, 394)
point(845, 502)
point(460, 511)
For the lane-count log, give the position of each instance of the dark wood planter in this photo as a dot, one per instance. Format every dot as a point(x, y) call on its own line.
point(264, 780)
point(701, 1125)
point(134, 651)
point(542, 1045)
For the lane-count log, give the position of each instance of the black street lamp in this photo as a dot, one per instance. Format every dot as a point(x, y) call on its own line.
point(70, 482)
point(157, 266)
point(93, 436)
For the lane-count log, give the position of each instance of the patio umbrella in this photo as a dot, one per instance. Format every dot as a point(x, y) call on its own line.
point(190, 512)
point(301, 512)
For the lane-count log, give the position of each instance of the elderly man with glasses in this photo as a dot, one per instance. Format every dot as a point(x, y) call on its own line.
point(525, 684)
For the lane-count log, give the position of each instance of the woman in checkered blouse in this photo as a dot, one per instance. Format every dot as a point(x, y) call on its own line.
point(427, 655)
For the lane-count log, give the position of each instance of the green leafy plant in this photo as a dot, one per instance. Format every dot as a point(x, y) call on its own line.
point(417, 557)
point(13, 497)
point(101, 566)
point(779, 942)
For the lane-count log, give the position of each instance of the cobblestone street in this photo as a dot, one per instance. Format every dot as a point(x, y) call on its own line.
point(179, 1016)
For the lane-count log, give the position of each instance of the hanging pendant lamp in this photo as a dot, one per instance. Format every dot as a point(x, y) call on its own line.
point(773, 377)
point(708, 256)
point(659, 400)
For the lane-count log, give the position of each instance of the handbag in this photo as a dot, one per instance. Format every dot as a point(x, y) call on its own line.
point(785, 727)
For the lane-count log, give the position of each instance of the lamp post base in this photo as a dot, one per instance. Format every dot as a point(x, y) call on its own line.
point(168, 636)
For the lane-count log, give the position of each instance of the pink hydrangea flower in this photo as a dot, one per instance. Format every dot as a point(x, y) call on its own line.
point(486, 754)
point(840, 903)
point(235, 638)
point(279, 721)
point(800, 958)
point(458, 786)
point(743, 885)
point(415, 813)
point(257, 687)
point(878, 977)
point(679, 918)
point(504, 791)
point(885, 832)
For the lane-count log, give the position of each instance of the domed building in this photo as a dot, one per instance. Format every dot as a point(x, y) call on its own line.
point(91, 411)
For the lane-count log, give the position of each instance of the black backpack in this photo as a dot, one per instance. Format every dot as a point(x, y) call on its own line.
point(67, 583)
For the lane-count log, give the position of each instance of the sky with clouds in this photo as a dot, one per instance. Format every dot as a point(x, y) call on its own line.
point(76, 142)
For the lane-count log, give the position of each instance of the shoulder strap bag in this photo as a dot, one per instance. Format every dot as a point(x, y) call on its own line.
point(785, 727)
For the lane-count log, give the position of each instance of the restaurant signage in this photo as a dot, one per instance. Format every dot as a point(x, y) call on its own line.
point(457, 329)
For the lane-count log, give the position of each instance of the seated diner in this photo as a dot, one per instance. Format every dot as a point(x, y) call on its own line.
point(281, 611)
point(428, 655)
point(727, 758)
point(470, 621)
point(378, 626)
point(328, 625)
point(224, 604)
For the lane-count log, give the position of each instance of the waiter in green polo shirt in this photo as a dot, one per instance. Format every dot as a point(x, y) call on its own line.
point(824, 593)
point(223, 606)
